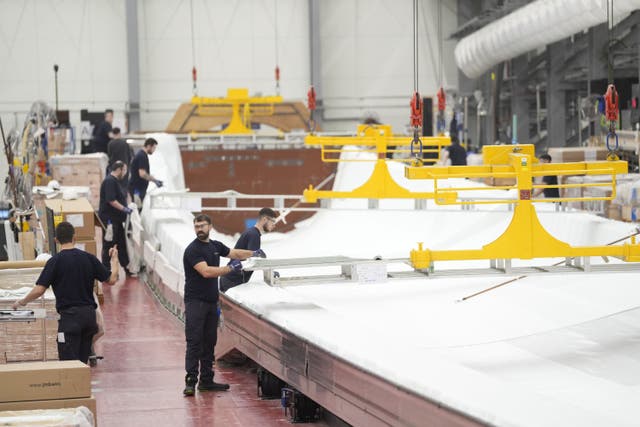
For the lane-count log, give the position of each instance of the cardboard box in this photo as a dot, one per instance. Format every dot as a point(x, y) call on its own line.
point(27, 242)
point(78, 212)
point(89, 402)
point(58, 141)
point(30, 381)
point(614, 212)
point(499, 182)
point(84, 169)
point(577, 154)
point(630, 213)
point(87, 245)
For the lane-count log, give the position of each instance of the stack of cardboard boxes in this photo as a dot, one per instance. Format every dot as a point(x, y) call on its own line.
point(58, 141)
point(86, 170)
point(577, 154)
point(27, 340)
point(80, 214)
point(46, 385)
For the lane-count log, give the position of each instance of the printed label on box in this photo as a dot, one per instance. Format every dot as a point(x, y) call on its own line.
point(81, 246)
point(77, 220)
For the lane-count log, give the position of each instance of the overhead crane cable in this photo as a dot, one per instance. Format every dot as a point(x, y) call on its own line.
point(275, 31)
point(611, 96)
point(415, 45)
point(609, 40)
point(440, 45)
point(428, 49)
point(194, 73)
point(416, 100)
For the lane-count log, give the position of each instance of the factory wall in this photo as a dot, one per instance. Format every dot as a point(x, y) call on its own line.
point(366, 55)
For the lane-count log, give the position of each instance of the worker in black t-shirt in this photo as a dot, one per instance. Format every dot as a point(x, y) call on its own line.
point(549, 193)
point(102, 133)
point(118, 149)
point(455, 152)
point(113, 213)
point(250, 240)
point(71, 274)
point(201, 270)
point(141, 173)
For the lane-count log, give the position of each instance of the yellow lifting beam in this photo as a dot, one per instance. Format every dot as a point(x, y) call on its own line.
point(525, 237)
point(236, 97)
point(377, 139)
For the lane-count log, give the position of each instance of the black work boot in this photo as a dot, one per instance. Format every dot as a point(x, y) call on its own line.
point(190, 385)
point(212, 386)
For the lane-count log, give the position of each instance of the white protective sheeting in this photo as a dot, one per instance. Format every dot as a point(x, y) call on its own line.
point(549, 349)
point(65, 417)
point(533, 26)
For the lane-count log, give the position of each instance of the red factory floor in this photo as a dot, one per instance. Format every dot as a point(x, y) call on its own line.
point(141, 378)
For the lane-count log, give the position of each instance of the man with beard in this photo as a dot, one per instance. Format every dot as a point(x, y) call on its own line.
point(201, 269)
point(113, 213)
point(250, 240)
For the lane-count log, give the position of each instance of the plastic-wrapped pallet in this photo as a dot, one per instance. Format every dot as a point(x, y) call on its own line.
point(624, 185)
point(627, 192)
point(81, 170)
point(67, 417)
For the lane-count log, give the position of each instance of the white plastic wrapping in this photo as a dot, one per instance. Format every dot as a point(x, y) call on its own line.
point(530, 27)
point(65, 417)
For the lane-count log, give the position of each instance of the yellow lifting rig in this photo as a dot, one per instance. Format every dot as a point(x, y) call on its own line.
point(236, 98)
point(525, 237)
point(377, 139)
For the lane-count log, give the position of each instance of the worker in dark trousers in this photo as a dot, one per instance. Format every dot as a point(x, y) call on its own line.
point(201, 269)
point(251, 240)
point(113, 213)
point(119, 149)
point(141, 172)
point(71, 274)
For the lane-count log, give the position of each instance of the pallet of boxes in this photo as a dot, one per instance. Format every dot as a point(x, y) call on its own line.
point(626, 206)
point(30, 338)
point(81, 170)
point(596, 186)
point(47, 393)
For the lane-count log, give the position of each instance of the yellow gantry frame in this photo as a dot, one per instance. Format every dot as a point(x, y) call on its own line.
point(525, 237)
point(236, 97)
point(380, 184)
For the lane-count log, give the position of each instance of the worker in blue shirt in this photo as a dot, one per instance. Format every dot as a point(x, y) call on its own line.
point(251, 240)
point(141, 172)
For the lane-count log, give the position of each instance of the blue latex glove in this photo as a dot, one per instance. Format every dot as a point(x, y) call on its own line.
point(235, 264)
point(127, 210)
point(259, 253)
point(158, 183)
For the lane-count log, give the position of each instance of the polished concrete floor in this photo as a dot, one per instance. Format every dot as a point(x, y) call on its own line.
point(140, 380)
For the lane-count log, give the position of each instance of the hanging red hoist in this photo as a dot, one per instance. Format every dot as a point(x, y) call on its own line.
point(416, 110)
point(194, 75)
point(277, 74)
point(611, 104)
point(311, 99)
point(442, 100)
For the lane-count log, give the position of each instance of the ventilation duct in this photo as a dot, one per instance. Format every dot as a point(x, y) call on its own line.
point(530, 27)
